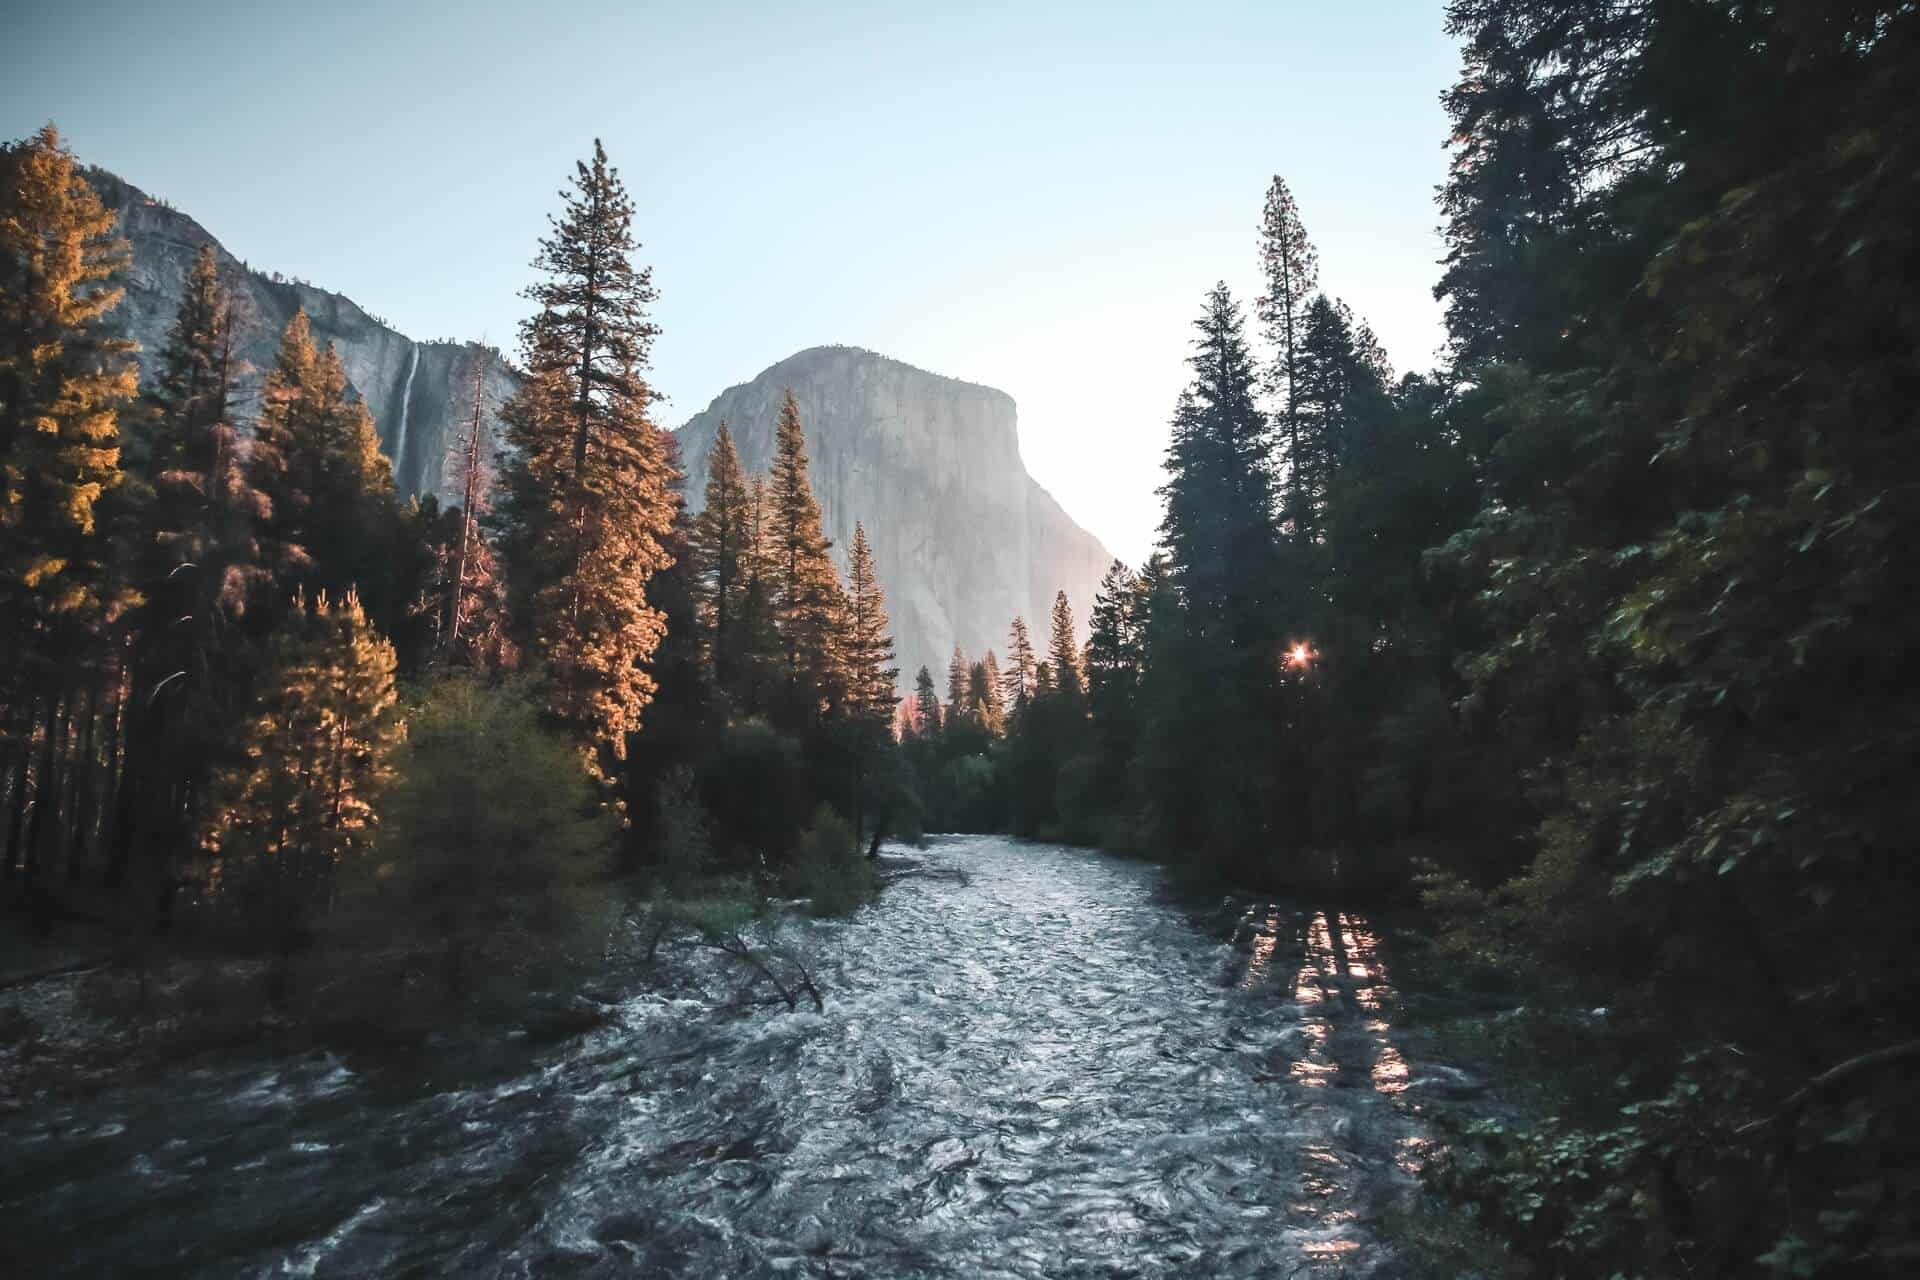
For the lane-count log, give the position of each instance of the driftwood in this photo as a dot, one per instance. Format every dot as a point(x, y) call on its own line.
point(1834, 1077)
point(733, 944)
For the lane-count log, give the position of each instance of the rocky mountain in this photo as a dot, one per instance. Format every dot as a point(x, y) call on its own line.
point(963, 538)
point(418, 392)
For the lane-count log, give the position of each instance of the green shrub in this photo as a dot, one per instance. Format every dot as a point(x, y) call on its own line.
point(755, 789)
point(829, 868)
point(487, 862)
point(683, 850)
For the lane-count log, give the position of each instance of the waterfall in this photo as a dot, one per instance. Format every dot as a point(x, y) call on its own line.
point(400, 436)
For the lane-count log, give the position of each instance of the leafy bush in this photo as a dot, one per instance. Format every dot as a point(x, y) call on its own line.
point(755, 789)
point(829, 868)
point(683, 850)
point(493, 839)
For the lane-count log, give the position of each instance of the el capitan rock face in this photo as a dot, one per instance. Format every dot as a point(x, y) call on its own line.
point(963, 538)
point(418, 392)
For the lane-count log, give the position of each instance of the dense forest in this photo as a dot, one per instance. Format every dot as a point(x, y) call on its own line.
point(259, 703)
point(1591, 649)
point(1597, 639)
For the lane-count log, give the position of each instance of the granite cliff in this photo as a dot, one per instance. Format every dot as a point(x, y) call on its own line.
point(417, 392)
point(963, 538)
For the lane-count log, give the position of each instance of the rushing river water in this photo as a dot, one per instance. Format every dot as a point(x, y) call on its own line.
point(1041, 1066)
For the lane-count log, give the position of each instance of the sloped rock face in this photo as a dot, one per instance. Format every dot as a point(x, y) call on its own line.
point(963, 538)
point(418, 392)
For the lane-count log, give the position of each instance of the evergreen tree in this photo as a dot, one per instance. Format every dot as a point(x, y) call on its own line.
point(1215, 712)
point(994, 694)
point(315, 460)
point(808, 600)
point(1018, 681)
point(1339, 390)
point(722, 537)
point(958, 683)
point(589, 504)
point(316, 754)
point(1292, 270)
point(1112, 655)
point(1063, 651)
point(63, 384)
point(201, 565)
point(761, 657)
point(869, 648)
point(680, 725)
point(983, 697)
point(926, 706)
point(474, 631)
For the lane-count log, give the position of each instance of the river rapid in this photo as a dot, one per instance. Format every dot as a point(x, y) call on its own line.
point(1033, 1062)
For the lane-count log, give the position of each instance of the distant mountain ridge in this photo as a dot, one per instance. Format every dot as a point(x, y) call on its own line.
point(963, 538)
point(418, 392)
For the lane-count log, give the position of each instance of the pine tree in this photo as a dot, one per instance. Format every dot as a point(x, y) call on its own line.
point(315, 460)
point(63, 385)
point(191, 663)
point(1340, 381)
point(926, 706)
point(1212, 725)
point(316, 753)
point(1112, 654)
point(995, 696)
point(808, 600)
point(760, 656)
point(1063, 651)
point(958, 682)
point(1218, 526)
point(868, 646)
point(474, 599)
point(1292, 270)
point(983, 696)
point(1018, 681)
point(588, 495)
point(722, 537)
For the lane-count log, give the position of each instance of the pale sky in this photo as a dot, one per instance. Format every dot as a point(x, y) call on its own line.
point(1030, 196)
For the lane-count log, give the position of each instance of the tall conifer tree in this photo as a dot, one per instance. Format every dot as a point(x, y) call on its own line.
point(807, 597)
point(315, 460)
point(871, 675)
point(722, 537)
point(1063, 650)
point(589, 502)
point(1292, 270)
point(1018, 680)
point(63, 384)
point(926, 706)
point(198, 571)
point(959, 706)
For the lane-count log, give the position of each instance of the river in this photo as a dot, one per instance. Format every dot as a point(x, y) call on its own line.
point(1033, 1062)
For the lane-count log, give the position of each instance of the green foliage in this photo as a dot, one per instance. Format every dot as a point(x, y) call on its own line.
point(755, 788)
point(589, 499)
point(829, 868)
point(492, 846)
point(684, 850)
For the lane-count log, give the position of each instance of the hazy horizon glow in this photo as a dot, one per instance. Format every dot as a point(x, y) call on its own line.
point(1036, 202)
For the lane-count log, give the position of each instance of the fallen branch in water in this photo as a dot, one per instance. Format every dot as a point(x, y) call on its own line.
point(731, 943)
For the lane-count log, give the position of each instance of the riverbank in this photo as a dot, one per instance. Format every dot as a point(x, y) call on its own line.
point(1030, 1061)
